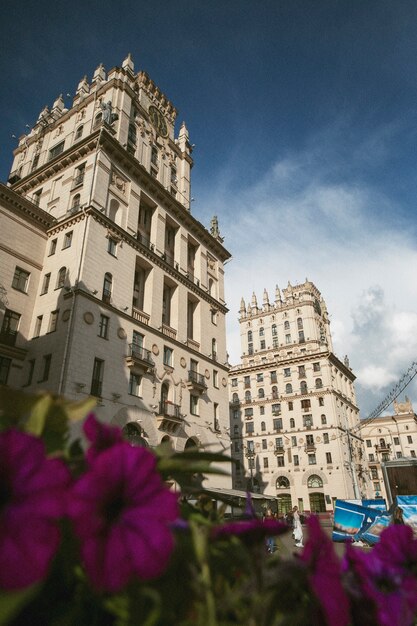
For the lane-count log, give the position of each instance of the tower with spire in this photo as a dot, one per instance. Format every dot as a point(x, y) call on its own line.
point(120, 288)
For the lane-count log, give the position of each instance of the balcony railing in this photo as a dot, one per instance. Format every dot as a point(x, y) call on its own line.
point(168, 331)
point(140, 353)
point(383, 447)
point(279, 450)
point(197, 379)
point(140, 316)
point(310, 447)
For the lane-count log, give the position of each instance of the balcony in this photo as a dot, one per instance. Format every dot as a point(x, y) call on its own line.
point(310, 447)
point(140, 316)
point(196, 381)
point(168, 331)
point(383, 447)
point(169, 417)
point(139, 360)
point(279, 450)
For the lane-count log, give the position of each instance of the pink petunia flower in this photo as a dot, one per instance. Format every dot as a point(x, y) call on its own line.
point(324, 573)
point(384, 579)
point(101, 436)
point(121, 511)
point(32, 499)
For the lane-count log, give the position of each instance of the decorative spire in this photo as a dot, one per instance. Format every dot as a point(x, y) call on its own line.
point(242, 306)
point(59, 104)
point(99, 75)
point(83, 86)
point(266, 298)
point(254, 302)
point(128, 64)
point(278, 298)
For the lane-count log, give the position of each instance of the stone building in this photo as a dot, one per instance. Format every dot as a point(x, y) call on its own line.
point(292, 405)
point(110, 286)
point(388, 438)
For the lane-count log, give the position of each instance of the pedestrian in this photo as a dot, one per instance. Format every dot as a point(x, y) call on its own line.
point(397, 517)
point(297, 528)
point(270, 544)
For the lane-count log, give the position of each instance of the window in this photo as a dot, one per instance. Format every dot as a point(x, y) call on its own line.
point(273, 376)
point(46, 367)
point(409, 439)
point(301, 371)
point(236, 414)
point(282, 483)
point(372, 458)
point(248, 397)
point(263, 344)
point(249, 427)
point(287, 338)
point(274, 392)
point(112, 246)
point(216, 379)
point(321, 401)
point(131, 134)
point(107, 287)
point(62, 275)
point(261, 331)
point(53, 321)
point(264, 444)
point(292, 423)
point(79, 133)
point(261, 410)
point(323, 420)
point(308, 421)
point(377, 486)
point(310, 440)
point(134, 384)
point(97, 378)
point(296, 460)
point(374, 473)
point(168, 356)
point(250, 348)
point(261, 392)
point(328, 458)
point(314, 482)
point(396, 441)
point(234, 382)
point(166, 305)
point(288, 388)
point(290, 406)
point(67, 240)
point(325, 437)
point(368, 443)
point(250, 335)
point(312, 459)
point(277, 423)
point(274, 330)
point(38, 325)
point(303, 387)
point(293, 442)
point(36, 198)
point(56, 150)
point(45, 284)
point(263, 426)
point(276, 409)
point(10, 327)
point(265, 462)
point(259, 378)
point(299, 323)
point(247, 381)
point(20, 280)
point(154, 156)
point(316, 367)
point(287, 371)
point(235, 398)
point(52, 248)
point(280, 460)
point(305, 405)
point(286, 325)
point(399, 455)
point(5, 364)
point(319, 383)
point(103, 327)
point(35, 163)
point(75, 204)
point(301, 338)
point(413, 453)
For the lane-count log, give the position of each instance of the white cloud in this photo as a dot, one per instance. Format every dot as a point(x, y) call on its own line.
point(298, 222)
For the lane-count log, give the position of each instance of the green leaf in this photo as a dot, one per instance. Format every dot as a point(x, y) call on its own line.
point(37, 418)
point(12, 602)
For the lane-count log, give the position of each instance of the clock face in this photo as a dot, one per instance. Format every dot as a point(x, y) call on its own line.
point(158, 121)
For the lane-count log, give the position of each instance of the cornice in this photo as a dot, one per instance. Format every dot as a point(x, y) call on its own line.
point(13, 200)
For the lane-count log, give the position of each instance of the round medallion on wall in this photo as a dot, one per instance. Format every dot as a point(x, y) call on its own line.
point(66, 315)
point(301, 440)
point(207, 374)
point(318, 439)
point(155, 349)
point(121, 333)
point(224, 382)
point(183, 362)
point(88, 317)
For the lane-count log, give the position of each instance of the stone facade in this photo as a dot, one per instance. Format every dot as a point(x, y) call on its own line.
point(122, 291)
point(388, 438)
point(293, 405)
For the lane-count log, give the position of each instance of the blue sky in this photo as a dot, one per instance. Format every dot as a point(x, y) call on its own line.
point(304, 117)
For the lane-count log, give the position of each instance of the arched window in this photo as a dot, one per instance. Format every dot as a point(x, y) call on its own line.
point(282, 483)
point(79, 132)
point(303, 386)
point(286, 325)
point(299, 323)
point(261, 331)
point(274, 330)
point(275, 392)
point(382, 443)
point(288, 388)
point(319, 383)
point(261, 393)
point(263, 426)
point(62, 274)
point(292, 423)
point(248, 396)
point(235, 398)
point(250, 335)
point(76, 202)
point(323, 419)
point(314, 481)
point(107, 287)
point(134, 435)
